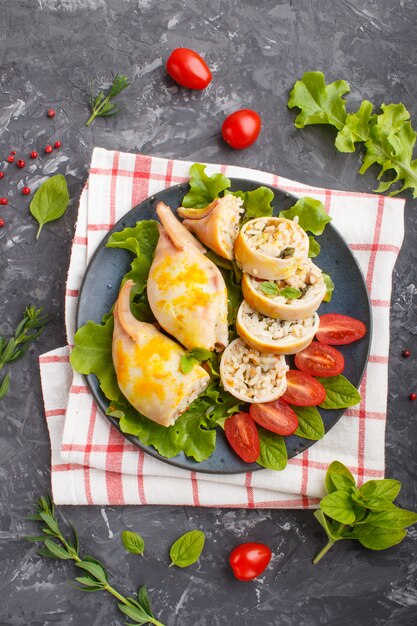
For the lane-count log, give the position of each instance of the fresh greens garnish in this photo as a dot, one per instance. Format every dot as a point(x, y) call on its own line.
point(349, 513)
point(311, 215)
point(273, 450)
point(314, 248)
point(94, 574)
point(132, 542)
point(340, 393)
point(329, 287)
point(310, 423)
point(196, 355)
point(186, 550)
point(257, 203)
point(388, 137)
point(271, 289)
point(101, 104)
point(203, 188)
point(50, 201)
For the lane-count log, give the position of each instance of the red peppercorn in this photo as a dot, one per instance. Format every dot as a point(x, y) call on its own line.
point(51, 113)
point(4, 201)
point(34, 154)
point(10, 159)
point(48, 149)
point(406, 353)
point(21, 163)
point(57, 144)
point(26, 191)
point(2, 222)
point(13, 152)
point(1, 175)
point(412, 396)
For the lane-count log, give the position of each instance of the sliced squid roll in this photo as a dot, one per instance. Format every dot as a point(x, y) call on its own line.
point(147, 365)
point(251, 375)
point(217, 226)
point(273, 335)
point(271, 247)
point(308, 279)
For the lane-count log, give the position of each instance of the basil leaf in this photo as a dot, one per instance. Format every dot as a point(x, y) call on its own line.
point(269, 288)
point(310, 423)
point(340, 393)
point(319, 103)
point(313, 248)
point(273, 450)
point(50, 201)
point(377, 538)
point(187, 363)
point(329, 287)
point(387, 488)
point(257, 203)
point(290, 293)
point(203, 188)
point(338, 505)
point(374, 504)
point(393, 518)
point(338, 469)
point(133, 542)
point(327, 525)
point(201, 354)
point(311, 215)
point(187, 549)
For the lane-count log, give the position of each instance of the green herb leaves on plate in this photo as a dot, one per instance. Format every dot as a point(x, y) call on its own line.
point(340, 393)
point(132, 542)
point(367, 514)
point(196, 355)
point(329, 287)
point(203, 188)
point(271, 289)
point(187, 549)
point(50, 201)
point(311, 215)
point(273, 450)
point(310, 423)
point(101, 104)
point(257, 203)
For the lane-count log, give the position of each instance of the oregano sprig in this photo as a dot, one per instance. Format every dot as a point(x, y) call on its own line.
point(101, 104)
point(94, 575)
point(367, 514)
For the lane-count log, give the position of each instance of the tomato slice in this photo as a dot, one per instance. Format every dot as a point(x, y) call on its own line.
point(249, 560)
point(241, 128)
point(276, 416)
point(242, 435)
point(188, 69)
point(320, 360)
point(303, 389)
point(338, 330)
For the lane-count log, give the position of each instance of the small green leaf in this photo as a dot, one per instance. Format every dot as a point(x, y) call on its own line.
point(392, 518)
point(88, 582)
point(319, 103)
point(290, 293)
point(313, 248)
point(187, 549)
point(4, 386)
point(273, 454)
point(340, 393)
point(144, 601)
point(338, 505)
point(201, 354)
point(387, 489)
point(133, 542)
point(94, 568)
point(203, 188)
point(58, 551)
point(310, 423)
point(187, 363)
point(377, 538)
point(134, 612)
point(356, 128)
point(311, 215)
point(34, 538)
point(338, 469)
point(269, 288)
point(327, 525)
point(50, 201)
point(374, 504)
point(329, 287)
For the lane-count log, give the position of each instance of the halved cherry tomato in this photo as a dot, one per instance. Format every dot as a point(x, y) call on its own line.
point(276, 416)
point(337, 330)
point(249, 560)
point(303, 389)
point(188, 69)
point(241, 129)
point(320, 360)
point(242, 435)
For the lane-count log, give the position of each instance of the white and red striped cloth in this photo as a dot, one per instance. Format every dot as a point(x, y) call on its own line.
point(93, 464)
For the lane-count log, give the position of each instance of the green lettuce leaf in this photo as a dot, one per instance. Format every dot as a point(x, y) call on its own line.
point(356, 128)
point(313, 248)
point(203, 188)
point(257, 203)
point(319, 103)
point(311, 215)
point(234, 296)
point(329, 287)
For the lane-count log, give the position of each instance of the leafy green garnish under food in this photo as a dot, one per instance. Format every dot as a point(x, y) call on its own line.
point(366, 514)
point(187, 549)
point(257, 203)
point(329, 287)
point(273, 454)
point(388, 137)
point(203, 188)
point(310, 213)
point(50, 201)
point(310, 423)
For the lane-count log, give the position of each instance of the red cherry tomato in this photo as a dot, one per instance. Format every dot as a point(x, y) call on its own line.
point(242, 435)
point(338, 330)
point(188, 69)
point(241, 129)
point(303, 389)
point(249, 560)
point(320, 360)
point(276, 416)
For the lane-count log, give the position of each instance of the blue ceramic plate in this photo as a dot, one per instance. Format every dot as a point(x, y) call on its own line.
point(101, 285)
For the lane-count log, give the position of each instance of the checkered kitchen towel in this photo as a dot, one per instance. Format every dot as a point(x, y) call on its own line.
point(93, 464)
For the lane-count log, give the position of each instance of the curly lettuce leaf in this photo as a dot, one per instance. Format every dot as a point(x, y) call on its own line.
point(313, 248)
point(257, 203)
point(203, 188)
point(356, 129)
point(311, 215)
point(319, 103)
point(329, 287)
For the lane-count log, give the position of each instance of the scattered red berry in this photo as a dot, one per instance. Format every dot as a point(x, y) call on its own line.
point(26, 191)
point(1, 175)
point(51, 113)
point(2, 222)
point(406, 353)
point(13, 152)
point(4, 201)
point(57, 144)
point(412, 396)
point(10, 159)
point(34, 154)
point(48, 149)
point(21, 163)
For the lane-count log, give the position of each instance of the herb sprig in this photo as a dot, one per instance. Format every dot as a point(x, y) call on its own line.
point(366, 514)
point(101, 104)
point(30, 327)
point(94, 575)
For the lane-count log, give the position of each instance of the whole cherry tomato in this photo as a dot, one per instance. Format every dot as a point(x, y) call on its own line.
point(249, 560)
point(188, 69)
point(338, 330)
point(241, 129)
point(242, 435)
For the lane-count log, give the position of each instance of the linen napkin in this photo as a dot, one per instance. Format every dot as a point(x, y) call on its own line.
point(92, 463)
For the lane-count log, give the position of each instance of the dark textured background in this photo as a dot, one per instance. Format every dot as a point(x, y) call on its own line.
point(49, 50)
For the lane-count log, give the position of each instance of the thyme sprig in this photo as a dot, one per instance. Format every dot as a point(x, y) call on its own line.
point(101, 103)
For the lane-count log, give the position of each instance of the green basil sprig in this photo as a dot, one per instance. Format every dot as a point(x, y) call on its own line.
point(187, 549)
point(367, 514)
point(50, 201)
point(271, 289)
